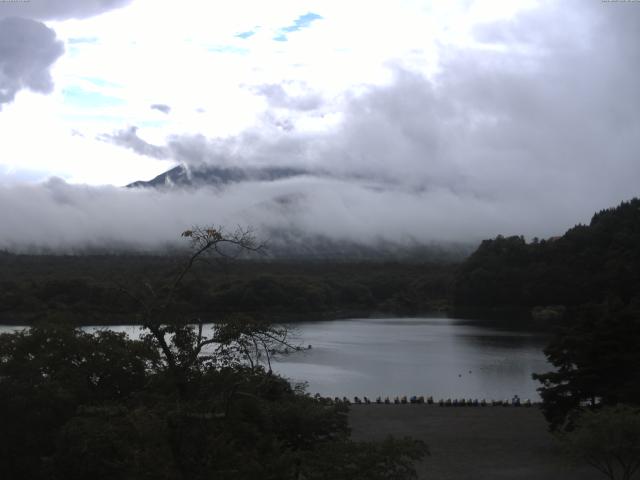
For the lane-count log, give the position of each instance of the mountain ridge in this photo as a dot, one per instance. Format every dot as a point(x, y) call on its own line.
point(211, 175)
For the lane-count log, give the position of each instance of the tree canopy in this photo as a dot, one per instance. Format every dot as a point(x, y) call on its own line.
point(587, 264)
point(596, 359)
point(182, 402)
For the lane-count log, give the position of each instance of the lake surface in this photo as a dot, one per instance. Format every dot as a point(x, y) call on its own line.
point(442, 357)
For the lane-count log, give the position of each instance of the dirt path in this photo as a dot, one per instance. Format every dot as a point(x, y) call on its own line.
point(473, 443)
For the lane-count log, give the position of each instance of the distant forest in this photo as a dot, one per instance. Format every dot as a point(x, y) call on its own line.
point(589, 263)
point(93, 289)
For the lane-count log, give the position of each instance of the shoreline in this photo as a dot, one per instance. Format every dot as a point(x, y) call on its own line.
point(320, 316)
point(514, 319)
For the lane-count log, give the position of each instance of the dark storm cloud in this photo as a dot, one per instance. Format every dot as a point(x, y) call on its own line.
point(27, 50)
point(58, 9)
point(128, 138)
point(556, 119)
point(161, 107)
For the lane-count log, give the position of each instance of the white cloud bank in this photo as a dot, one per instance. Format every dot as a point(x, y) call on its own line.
point(527, 130)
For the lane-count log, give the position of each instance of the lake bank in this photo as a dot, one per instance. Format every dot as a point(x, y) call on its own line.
point(131, 319)
point(472, 443)
point(507, 318)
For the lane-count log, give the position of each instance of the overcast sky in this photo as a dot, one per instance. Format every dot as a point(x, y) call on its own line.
point(436, 120)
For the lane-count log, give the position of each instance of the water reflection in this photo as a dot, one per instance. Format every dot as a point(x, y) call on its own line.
point(442, 357)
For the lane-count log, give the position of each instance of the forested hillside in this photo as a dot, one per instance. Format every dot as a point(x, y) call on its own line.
point(587, 264)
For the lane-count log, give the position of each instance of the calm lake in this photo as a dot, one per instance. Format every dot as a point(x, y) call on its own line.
point(442, 357)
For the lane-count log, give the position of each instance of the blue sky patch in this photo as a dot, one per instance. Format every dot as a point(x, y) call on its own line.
point(90, 40)
point(79, 97)
point(247, 34)
point(303, 21)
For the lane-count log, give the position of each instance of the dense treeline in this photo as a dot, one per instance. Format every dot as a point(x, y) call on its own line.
point(92, 289)
point(587, 282)
point(587, 264)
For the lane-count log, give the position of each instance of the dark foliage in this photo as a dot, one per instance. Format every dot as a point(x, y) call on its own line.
point(597, 362)
point(87, 289)
point(609, 440)
point(46, 374)
point(587, 264)
point(75, 405)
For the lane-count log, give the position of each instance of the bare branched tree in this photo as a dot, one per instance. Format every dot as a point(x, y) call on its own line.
point(185, 345)
point(255, 342)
